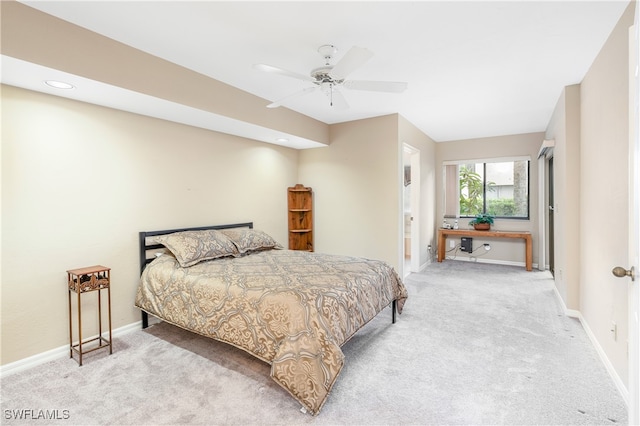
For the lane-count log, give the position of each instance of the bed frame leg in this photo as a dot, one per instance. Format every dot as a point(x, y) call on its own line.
point(393, 312)
point(145, 319)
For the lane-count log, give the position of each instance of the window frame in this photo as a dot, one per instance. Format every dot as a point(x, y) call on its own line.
point(455, 188)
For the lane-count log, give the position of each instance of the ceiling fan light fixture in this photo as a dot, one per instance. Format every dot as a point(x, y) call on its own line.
point(327, 87)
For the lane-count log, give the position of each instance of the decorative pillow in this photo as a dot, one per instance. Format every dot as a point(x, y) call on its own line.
point(191, 247)
point(247, 240)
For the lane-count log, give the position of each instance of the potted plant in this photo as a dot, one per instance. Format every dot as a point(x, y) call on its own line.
point(482, 222)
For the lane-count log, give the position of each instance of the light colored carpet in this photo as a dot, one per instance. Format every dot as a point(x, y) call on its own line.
point(477, 344)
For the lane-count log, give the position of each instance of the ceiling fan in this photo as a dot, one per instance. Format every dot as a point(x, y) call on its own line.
point(330, 78)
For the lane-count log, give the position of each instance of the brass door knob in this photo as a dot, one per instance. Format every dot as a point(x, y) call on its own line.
point(620, 272)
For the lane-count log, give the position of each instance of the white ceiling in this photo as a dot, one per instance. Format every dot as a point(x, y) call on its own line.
point(474, 69)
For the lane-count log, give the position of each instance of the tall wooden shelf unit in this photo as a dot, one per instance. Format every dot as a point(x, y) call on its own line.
point(300, 204)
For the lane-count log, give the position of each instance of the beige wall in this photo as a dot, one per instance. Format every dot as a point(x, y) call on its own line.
point(564, 128)
point(80, 181)
point(356, 184)
point(604, 193)
point(590, 126)
point(409, 134)
point(528, 144)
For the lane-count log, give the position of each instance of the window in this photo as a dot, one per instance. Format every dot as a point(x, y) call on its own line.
point(499, 187)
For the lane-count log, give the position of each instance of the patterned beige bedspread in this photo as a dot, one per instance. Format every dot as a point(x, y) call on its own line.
point(292, 309)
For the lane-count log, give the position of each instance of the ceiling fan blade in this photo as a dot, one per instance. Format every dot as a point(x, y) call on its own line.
point(354, 58)
point(277, 103)
point(281, 71)
point(376, 86)
point(337, 99)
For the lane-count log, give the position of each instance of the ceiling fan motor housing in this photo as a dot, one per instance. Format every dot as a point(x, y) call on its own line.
point(321, 75)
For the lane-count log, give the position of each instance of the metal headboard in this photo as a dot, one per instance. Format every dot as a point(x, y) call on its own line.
point(145, 247)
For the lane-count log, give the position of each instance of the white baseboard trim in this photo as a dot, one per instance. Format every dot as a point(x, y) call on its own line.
point(568, 312)
point(421, 268)
point(59, 352)
point(479, 259)
point(424, 265)
point(624, 392)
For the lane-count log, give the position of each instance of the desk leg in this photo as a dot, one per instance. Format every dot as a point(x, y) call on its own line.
point(441, 243)
point(70, 325)
point(109, 306)
point(529, 254)
point(99, 317)
point(79, 326)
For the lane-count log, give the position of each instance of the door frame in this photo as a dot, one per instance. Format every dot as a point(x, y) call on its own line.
point(415, 210)
point(545, 203)
point(413, 161)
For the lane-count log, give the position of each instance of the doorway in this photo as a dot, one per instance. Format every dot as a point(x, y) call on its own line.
point(550, 217)
point(411, 209)
point(546, 206)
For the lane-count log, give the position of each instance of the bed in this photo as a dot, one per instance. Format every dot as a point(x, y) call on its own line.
point(292, 309)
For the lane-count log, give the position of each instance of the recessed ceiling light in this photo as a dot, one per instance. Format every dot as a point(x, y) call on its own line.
point(282, 140)
point(59, 84)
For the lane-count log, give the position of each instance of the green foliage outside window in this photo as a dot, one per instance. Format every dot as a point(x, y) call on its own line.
point(501, 207)
point(498, 188)
point(472, 192)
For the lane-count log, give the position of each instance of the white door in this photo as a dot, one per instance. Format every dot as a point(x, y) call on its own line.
point(634, 223)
